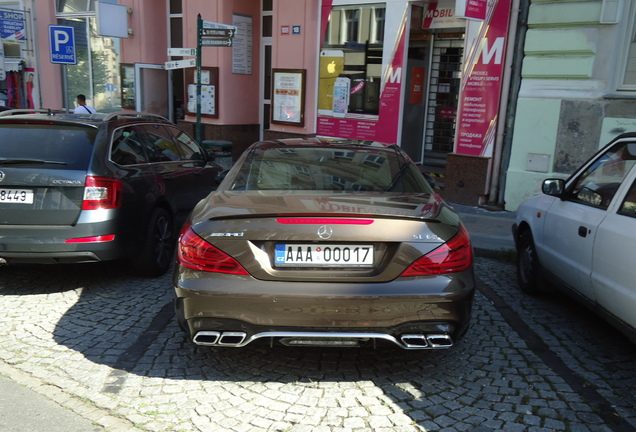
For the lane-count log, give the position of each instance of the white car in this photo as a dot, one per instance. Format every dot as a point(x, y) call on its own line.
point(580, 235)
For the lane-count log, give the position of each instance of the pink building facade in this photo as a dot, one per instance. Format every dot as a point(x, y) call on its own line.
point(394, 71)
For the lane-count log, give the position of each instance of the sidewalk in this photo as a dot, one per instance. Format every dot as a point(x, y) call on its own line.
point(490, 231)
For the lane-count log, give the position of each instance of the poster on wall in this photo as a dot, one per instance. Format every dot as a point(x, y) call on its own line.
point(288, 90)
point(12, 26)
point(480, 92)
point(209, 91)
point(30, 88)
point(242, 45)
point(208, 99)
point(363, 106)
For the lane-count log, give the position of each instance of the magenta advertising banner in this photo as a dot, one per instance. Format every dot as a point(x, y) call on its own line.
point(342, 111)
point(481, 86)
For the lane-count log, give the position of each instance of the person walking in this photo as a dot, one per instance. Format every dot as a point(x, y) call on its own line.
point(83, 108)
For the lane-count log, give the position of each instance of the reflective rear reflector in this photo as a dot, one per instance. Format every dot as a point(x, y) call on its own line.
point(320, 221)
point(95, 239)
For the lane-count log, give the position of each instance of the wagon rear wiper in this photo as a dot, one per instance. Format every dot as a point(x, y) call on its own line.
point(5, 161)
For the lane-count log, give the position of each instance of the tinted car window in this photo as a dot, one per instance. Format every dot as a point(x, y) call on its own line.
point(159, 144)
point(188, 148)
point(628, 207)
point(598, 184)
point(331, 169)
point(127, 147)
point(70, 144)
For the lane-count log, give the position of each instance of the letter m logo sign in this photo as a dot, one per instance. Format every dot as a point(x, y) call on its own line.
point(496, 50)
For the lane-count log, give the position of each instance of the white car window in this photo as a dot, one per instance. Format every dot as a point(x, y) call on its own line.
point(598, 184)
point(628, 207)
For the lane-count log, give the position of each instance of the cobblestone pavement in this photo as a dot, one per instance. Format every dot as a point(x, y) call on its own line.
point(105, 345)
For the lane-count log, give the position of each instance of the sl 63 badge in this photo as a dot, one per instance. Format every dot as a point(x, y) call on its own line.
point(228, 234)
point(426, 237)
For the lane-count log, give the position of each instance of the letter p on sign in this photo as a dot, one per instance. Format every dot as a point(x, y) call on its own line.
point(60, 38)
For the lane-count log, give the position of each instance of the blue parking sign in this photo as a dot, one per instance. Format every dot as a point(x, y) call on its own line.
point(62, 44)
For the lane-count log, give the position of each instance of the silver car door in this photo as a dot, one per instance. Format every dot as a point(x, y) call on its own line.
point(614, 272)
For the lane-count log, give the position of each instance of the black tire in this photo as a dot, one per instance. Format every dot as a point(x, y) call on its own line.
point(157, 253)
point(529, 274)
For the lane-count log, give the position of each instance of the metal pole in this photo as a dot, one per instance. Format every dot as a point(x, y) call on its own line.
point(65, 86)
point(199, 136)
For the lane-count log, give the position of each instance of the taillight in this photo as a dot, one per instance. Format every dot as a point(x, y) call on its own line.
point(324, 220)
point(195, 253)
point(453, 256)
point(101, 193)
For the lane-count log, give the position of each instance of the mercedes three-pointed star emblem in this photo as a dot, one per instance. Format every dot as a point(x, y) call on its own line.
point(325, 232)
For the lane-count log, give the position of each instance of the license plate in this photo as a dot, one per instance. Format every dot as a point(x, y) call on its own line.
point(321, 255)
point(16, 196)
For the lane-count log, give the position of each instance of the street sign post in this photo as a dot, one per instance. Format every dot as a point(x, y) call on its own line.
point(184, 52)
point(180, 64)
point(209, 34)
point(62, 44)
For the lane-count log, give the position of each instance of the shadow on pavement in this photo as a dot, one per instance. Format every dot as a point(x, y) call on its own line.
point(127, 323)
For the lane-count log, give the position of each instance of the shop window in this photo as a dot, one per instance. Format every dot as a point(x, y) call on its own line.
point(97, 72)
point(352, 51)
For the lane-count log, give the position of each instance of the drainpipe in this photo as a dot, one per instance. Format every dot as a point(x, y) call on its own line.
point(503, 107)
point(522, 28)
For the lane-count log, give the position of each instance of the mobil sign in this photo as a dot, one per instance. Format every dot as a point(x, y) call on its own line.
point(441, 14)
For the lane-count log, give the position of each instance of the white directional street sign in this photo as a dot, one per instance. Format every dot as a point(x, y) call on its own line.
point(218, 32)
point(185, 52)
point(215, 25)
point(180, 64)
point(216, 42)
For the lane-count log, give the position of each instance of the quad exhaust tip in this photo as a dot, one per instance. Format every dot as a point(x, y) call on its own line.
point(416, 341)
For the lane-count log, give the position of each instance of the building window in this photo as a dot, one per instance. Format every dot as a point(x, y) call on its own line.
point(630, 59)
point(97, 72)
point(378, 29)
point(352, 50)
point(351, 24)
point(626, 72)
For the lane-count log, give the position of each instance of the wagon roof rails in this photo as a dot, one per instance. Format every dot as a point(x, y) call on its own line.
point(18, 111)
point(139, 115)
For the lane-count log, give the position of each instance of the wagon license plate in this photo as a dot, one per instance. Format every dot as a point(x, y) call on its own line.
point(321, 255)
point(16, 196)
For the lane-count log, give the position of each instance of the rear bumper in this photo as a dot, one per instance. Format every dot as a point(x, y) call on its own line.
point(437, 306)
point(48, 245)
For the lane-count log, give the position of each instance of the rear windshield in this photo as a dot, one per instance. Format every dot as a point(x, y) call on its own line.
point(329, 169)
point(54, 145)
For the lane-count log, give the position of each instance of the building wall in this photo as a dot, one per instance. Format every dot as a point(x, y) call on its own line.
point(50, 75)
point(298, 52)
point(238, 94)
point(148, 42)
point(568, 104)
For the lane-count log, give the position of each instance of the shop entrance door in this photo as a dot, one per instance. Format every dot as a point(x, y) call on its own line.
point(443, 97)
point(414, 109)
point(154, 90)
